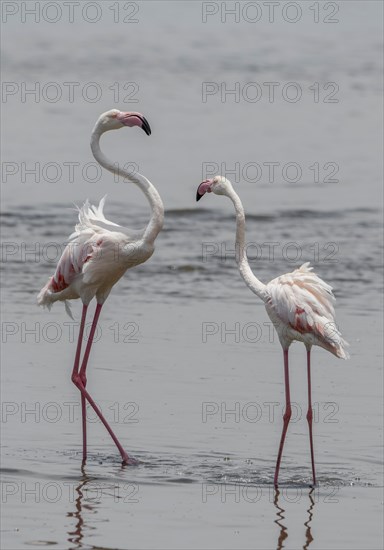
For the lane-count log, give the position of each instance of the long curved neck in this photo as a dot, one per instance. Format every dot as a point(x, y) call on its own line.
point(157, 208)
point(250, 279)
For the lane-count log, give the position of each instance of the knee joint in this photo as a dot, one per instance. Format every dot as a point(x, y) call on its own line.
point(77, 381)
point(287, 414)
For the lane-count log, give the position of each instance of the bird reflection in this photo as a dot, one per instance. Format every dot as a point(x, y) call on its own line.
point(308, 534)
point(283, 529)
point(283, 534)
point(76, 536)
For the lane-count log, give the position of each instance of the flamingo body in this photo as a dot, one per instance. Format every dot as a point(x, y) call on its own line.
point(299, 304)
point(98, 254)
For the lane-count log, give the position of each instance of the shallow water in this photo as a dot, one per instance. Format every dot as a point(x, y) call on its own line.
point(186, 366)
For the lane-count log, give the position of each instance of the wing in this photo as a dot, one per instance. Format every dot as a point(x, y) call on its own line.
point(300, 297)
point(92, 233)
point(77, 253)
point(304, 302)
point(83, 245)
point(92, 251)
point(92, 217)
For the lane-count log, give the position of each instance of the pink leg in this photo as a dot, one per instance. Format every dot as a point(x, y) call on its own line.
point(310, 414)
point(83, 377)
point(286, 417)
point(75, 373)
point(84, 363)
point(80, 380)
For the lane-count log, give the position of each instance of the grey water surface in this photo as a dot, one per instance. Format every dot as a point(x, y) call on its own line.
point(186, 366)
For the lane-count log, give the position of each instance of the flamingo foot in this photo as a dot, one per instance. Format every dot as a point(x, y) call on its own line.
point(129, 460)
point(125, 459)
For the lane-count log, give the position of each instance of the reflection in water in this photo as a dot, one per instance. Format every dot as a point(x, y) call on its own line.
point(308, 534)
point(75, 537)
point(283, 533)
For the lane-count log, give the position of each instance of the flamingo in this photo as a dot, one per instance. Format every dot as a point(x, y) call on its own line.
point(98, 254)
point(299, 305)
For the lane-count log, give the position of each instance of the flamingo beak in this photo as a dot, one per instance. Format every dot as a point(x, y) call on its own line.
point(134, 119)
point(145, 125)
point(204, 187)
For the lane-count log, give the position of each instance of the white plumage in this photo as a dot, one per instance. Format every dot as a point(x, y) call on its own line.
point(98, 254)
point(299, 304)
point(300, 307)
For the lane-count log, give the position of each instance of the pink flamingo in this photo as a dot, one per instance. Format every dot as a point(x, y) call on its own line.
point(299, 305)
point(98, 254)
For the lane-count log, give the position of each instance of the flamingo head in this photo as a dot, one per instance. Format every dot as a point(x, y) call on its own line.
point(218, 185)
point(115, 119)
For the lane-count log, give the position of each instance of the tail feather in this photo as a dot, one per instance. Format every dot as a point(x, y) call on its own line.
point(341, 352)
point(68, 309)
point(333, 341)
point(46, 298)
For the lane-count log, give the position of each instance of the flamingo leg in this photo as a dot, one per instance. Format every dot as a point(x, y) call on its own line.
point(84, 362)
point(83, 377)
point(75, 373)
point(310, 414)
point(286, 417)
point(79, 379)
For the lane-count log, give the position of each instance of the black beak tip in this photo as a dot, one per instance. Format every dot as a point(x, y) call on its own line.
point(198, 196)
point(146, 127)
